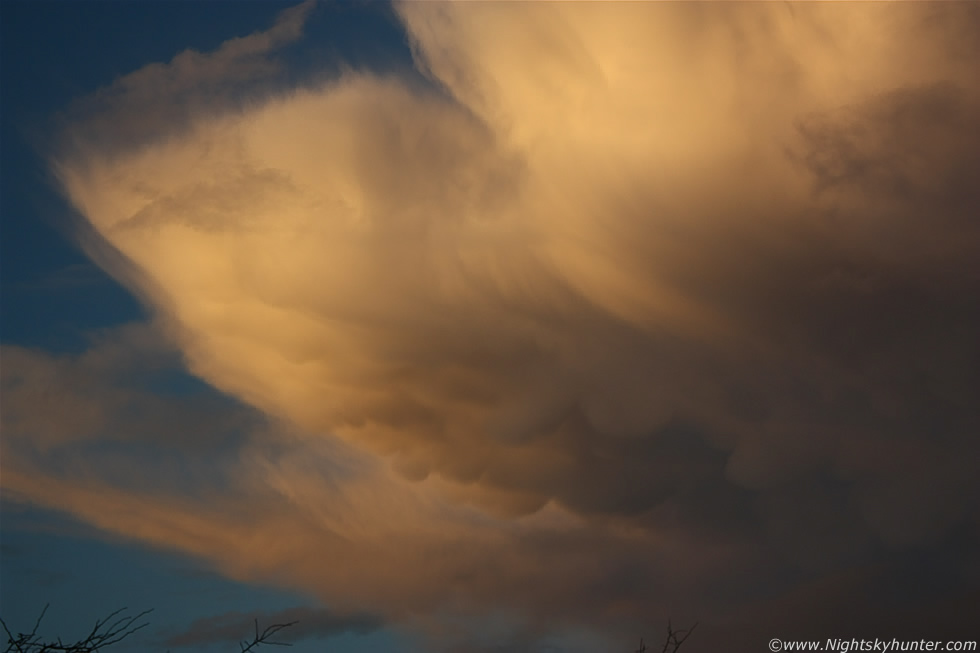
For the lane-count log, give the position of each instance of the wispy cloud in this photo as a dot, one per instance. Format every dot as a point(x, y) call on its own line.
point(151, 102)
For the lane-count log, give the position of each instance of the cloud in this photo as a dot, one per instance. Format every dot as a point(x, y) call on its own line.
point(310, 622)
point(641, 304)
point(127, 388)
point(150, 103)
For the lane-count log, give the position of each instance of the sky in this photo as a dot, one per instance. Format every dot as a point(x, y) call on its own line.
point(490, 326)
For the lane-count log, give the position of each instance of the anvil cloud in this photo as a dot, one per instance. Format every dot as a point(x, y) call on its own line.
point(610, 312)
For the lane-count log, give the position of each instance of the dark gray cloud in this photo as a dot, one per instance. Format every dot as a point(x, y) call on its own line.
point(310, 623)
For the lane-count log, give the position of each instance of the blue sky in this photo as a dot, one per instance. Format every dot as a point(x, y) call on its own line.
point(53, 295)
point(490, 326)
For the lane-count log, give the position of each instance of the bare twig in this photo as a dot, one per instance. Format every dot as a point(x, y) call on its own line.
point(106, 632)
point(676, 637)
point(265, 635)
point(111, 630)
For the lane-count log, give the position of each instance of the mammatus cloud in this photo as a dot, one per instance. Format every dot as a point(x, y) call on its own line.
point(634, 309)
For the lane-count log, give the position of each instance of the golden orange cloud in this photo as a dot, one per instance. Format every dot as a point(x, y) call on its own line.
point(583, 307)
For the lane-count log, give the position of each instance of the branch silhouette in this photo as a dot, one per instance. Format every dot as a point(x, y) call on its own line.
point(113, 629)
point(117, 626)
point(674, 639)
point(108, 631)
point(264, 636)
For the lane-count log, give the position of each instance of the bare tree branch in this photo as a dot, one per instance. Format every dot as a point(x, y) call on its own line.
point(265, 635)
point(674, 639)
point(106, 632)
point(113, 629)
point(116, 627)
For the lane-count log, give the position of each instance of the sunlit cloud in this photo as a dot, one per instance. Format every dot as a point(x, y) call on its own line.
point(619, 304)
